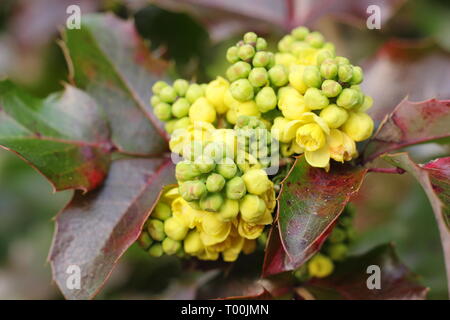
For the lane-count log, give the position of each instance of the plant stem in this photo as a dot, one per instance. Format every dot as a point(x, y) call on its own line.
point(387, 170)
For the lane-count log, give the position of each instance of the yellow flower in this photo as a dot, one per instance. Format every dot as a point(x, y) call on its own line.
point(341, 146)
point(292, 104)
point(193, 245)
point(231, 116)
point(202, 110)
point(256, 181)
point(305, 56)
point(252, 208)
point(229, 101)
point(246, 161)
point(320, 266)
point(228, 139)
point(249, 230)
point(213, 230)
point(229, 210)
point(184, 212)
point(319, 158)
point(208, 255)
point(175, 228)
point(247, 108)
point(215, 92)
point(285, 59)
point(359, 126)
point(310, 137)
point(296, 78)
point(199, 132)
point(234, 248)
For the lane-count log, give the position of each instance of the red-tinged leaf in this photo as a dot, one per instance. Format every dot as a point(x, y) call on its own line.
point(410, 123)
point(309, 203)
point(405, 68)
point(108, 58)
point(94, 230)
point(349, 280)
point(65, 137)
point(434, 178)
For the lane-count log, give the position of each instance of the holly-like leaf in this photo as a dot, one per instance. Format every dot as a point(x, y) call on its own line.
point(94, 230)
point(350, 279)
point(309, 203)
point(434, 178)
point(65, 137)
point(410, 123)
point(109, 59)
point(399, 69)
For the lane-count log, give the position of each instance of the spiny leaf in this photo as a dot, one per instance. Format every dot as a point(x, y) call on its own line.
point(410, 123)
point(434, 178)
point(309, 203)
point(65, 136)
point(94, 230)
point(399, 69)
point(349, 280)
point(109, 59)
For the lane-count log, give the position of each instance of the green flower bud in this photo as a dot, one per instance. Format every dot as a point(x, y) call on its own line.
point(311, 77)
point(227, 168)
point(162, 211)
point(341, 60)
point(250, 38)
point(229, 210)
point(145, 241)
point(261, 59)
point(278, 75)
point(182, 123)
point(329, 69)
point(261, 44)
point(315, 99)
point(246, 52)
point(345, 72)
point(215, 151)
point(285, 43)
point(367, 103)
point(186, 170)
point(258, 77)
point(156, 229)
point(337, 252)
point(170, 126)
point(337, 235)
point(334, 116)
point(266, 99)
point(323, 55)
point(181, 86)
point(215, 182)
point(239, 70)
point(194, 92)
point(171, 246)
point(180, 108)
point(175, 229)
point(158, 86)
point(155, 250)
point(315, 39)
point(252, 208)
point(271, 60)
point(155, 100)
point(300, 33)
point(235, 188)
point(232, 54)
point(331, 88)
point(168, 94)
point(241, 90)
point(192, 190)
point(330, 47)
point(348, 98)
point(163, 111)
point(256, 181)
point(211, 202)
point(204, 164)
point(357, 76)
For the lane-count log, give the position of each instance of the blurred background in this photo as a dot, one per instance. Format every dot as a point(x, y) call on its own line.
point(409, 55)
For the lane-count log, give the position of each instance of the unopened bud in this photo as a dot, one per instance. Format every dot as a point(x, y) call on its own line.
point(194, 92)
point(246, 52)
point(334, 116)
point(232, 54)
point(322, 55)
point(338, 252)
point(252, 208)
point(348, 98)
point(175, 228)
point(227, 168)
point(171, 246)
point(180, 108)
point(211, 202)
point(300, 33)
point(204, 164)
point(158, 86)
point(156, 229)
point(341, 60)
point(359, 126)
point(186, 170)
point(181, 86)
point(261, 59)
point(250, 38)
point(315, 39)
point(155, 100)
point(329, 69)
point(258, 77)
point(345, 72)
point(357, 76)
point(215, 182)
point(256, 181)
point(311, 77)
point(261, 44)
point(162, 211)
point(192, 190)
point(266, 99)
point(278, 75)
point(155, 250)
point(241, 90)
point(168, 94)
point(315, 99)
point(229, 210)
point(163, 111)
point(235, 188)
point(331, 88)
point(145, 241)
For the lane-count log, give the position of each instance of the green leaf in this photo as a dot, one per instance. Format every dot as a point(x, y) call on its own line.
point(410, 123)
point(94, 230)
point(65, 137)
point(434, 177)
point(309, 203)
point(110, 61)
point(349, 280)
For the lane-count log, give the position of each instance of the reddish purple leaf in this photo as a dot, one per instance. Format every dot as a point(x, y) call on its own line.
point(94, 230)
point(309, 203)
point(410, 123)
point(435, 180)
point(405, 68)
point(349, 280)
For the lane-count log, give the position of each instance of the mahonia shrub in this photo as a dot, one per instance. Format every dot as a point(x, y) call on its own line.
point(230, 134)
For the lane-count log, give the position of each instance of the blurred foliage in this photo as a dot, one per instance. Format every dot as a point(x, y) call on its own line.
point(399, 211)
